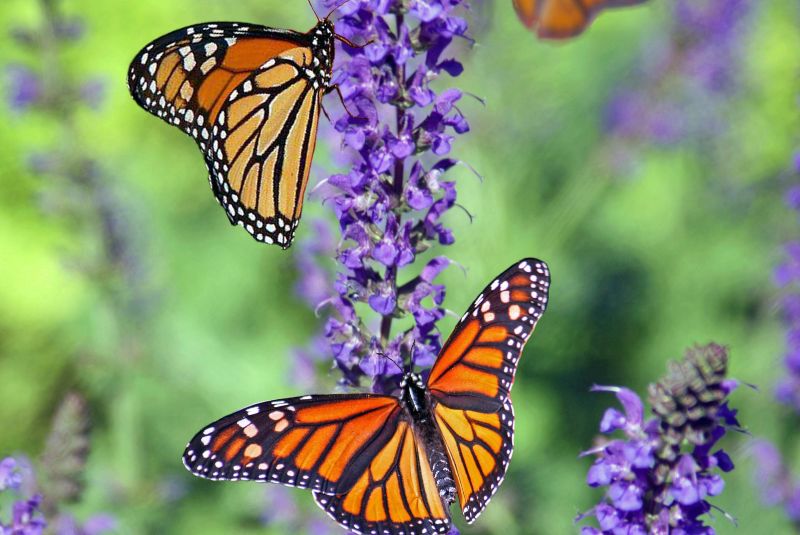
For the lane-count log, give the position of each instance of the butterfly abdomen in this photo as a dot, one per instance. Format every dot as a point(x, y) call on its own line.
point(441, 472)
point(418, 404)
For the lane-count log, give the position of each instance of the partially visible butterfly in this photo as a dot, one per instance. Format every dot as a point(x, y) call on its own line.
point(250, 96)
point(393, 465)
point(560, 19)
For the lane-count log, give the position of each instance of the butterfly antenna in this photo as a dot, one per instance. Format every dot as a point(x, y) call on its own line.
point(311, 5)
point(411, 355)
point(390, 359)
point(340, 4)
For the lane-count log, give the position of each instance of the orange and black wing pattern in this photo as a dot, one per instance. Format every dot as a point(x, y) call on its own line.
point(324, 443)
point(476, 367)
point(561, 19)
point(250, 97)
point(479, 446)
point(395, 494)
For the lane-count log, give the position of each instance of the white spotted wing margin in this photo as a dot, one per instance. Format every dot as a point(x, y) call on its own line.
point(476, 368)
point(318, 442)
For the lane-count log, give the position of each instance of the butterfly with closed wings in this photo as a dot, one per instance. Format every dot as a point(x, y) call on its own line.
point(561, 19)
point(391, 465)
point(250, 96)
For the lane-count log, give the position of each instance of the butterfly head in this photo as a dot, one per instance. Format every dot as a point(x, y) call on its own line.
point(326, 28)
point(412, 379)
point(412, 393)
point(322, 36)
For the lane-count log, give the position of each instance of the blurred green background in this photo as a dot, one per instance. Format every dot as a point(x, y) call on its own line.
point(197, 319)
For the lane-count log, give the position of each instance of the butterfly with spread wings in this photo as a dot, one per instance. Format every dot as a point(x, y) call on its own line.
point(250, 96)
point(561, 19)
point(393, 465)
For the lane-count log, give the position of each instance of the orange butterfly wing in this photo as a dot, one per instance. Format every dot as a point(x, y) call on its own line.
point(358, 452)
point(266, 139)
point(561, 19)
point(250, 97)
point(362, 454)
point(479, 446)
point(317, 442)
point(476, 367)
point(471, 380)
point(396, 494)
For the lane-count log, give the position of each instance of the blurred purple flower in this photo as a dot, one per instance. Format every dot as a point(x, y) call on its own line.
point(280, 508)
point(93, 92)
point(26, 519)
point(314, 284)
point(685, 77)
point(281, 511)
point(397, 131)
point(775, 481)
point(10, 477)
point(70, 29)
point(94, 525)
point(59, 478)
point(659, 477)
point(787, 278)
point(55, 482)
point(24, 87)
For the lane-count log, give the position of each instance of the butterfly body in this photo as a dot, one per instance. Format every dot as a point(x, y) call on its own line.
point(250, 96)
point(392, 465)
point(418, 404)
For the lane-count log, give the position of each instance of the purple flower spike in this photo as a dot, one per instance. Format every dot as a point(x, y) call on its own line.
point(777, 484)
point(390, 203)
point(787, 278)
point(659, 475)
point(10, 478)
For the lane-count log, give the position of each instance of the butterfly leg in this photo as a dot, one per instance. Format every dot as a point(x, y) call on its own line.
point(335, 87)
point(325, 112)
point(350, 43)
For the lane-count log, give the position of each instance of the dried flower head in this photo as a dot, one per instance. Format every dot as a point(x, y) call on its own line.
point(659, 477)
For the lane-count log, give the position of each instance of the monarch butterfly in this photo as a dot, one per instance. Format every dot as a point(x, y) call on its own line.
point(560, 19)
point(250, 96)
point(393, 465)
